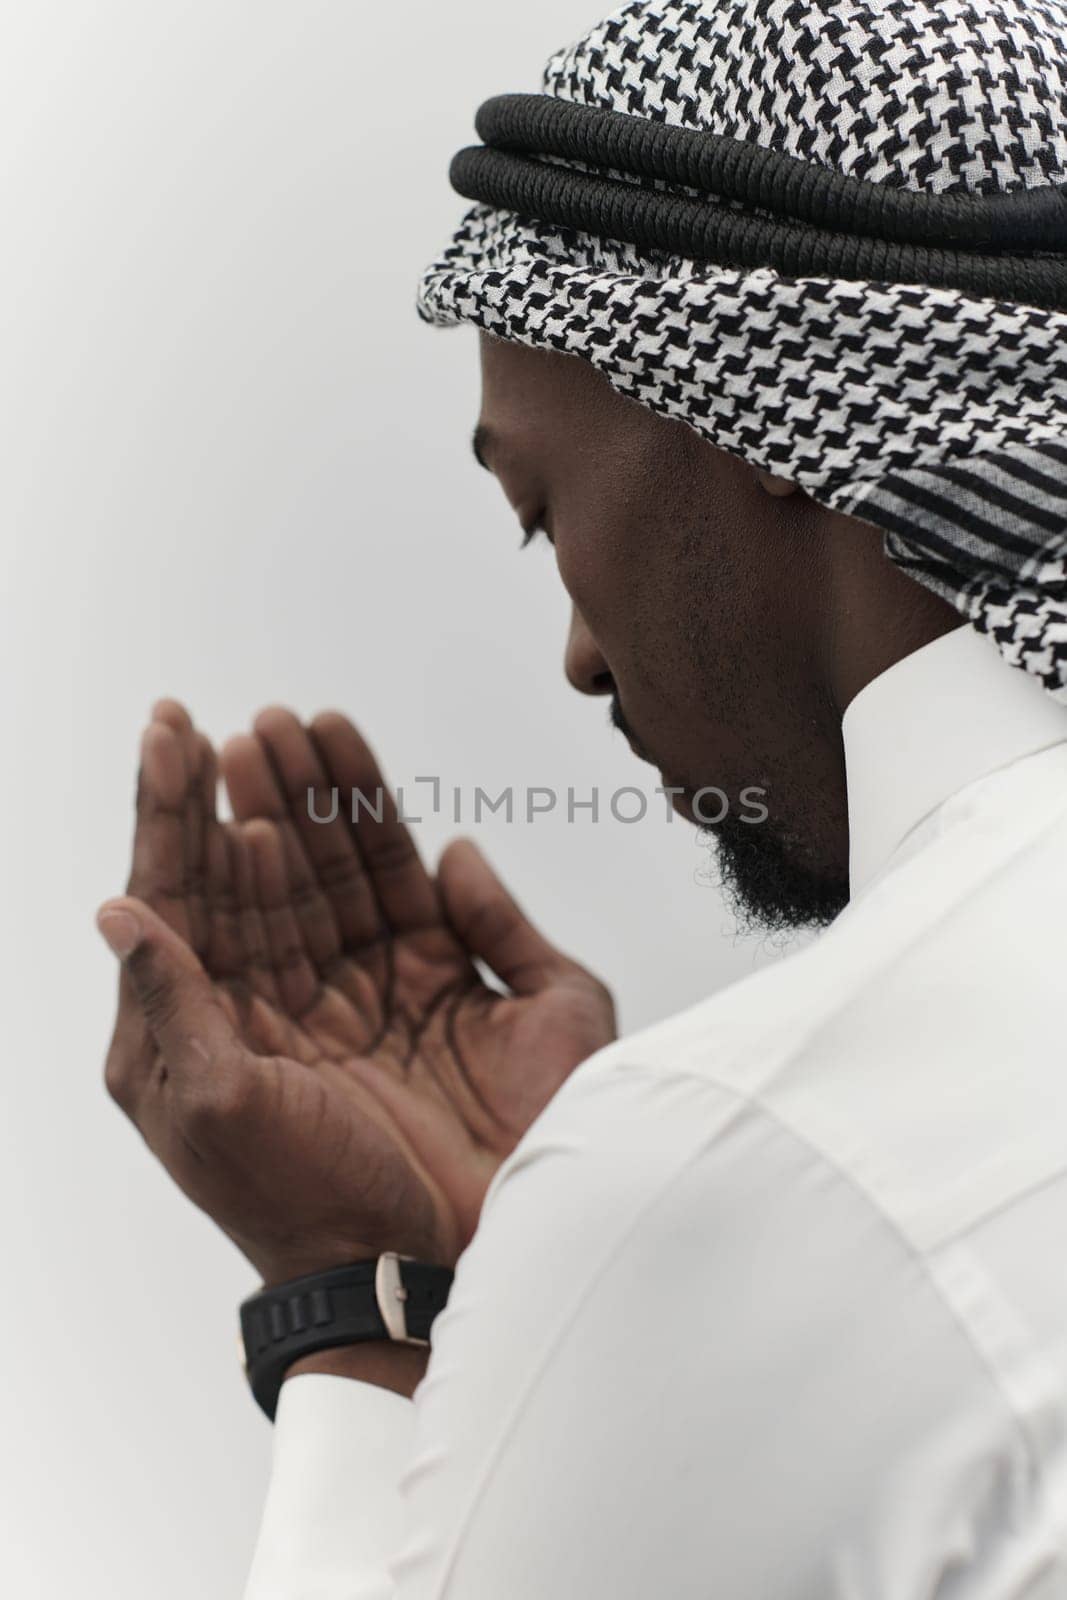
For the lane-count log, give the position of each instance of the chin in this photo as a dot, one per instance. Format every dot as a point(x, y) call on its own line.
point(771, 881)
point(681, 804)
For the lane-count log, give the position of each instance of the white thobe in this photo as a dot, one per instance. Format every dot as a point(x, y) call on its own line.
point(770, 1303)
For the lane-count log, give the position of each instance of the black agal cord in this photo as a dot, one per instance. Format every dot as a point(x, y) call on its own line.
point(804, 220)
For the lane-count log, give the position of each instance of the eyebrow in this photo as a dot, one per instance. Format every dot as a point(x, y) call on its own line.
point(479, 444)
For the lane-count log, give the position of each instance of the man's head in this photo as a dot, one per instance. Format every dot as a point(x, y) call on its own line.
point(727, 617)
point(801, 329)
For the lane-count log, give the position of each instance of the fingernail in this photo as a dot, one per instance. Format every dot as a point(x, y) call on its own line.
point(121, 931)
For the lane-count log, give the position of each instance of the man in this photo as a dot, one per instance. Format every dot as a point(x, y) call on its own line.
point(765, 1301)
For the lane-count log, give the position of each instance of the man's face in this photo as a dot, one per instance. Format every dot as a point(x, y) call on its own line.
point(699, 607)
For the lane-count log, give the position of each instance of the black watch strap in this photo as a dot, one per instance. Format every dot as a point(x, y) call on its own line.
point(393, 1298)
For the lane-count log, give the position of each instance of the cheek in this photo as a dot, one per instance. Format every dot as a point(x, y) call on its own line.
point(606, 571)
point(598, 554)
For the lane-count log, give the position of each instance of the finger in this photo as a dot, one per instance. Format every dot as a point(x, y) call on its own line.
point(297, 981)
point(239, 954)
point(198, 806)
point(401, 885)
point(245, 935)
point(201, 822)
point(174, 715)
point(222, 949)
point(193, 1032)
point(256, 792)
point(492, 926)
point(329, 845)
point(158, 868)
point(266, 1023)
point(250, 780)
point(225, 953)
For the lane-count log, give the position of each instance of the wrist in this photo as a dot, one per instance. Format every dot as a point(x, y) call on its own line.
point(387, 1365)
point(369, 1321)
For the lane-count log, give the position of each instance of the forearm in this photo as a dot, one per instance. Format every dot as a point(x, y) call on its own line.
point(399, 1367)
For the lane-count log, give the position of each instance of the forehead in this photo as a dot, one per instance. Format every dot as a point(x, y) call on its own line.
point(527, 391)
point(509, 368)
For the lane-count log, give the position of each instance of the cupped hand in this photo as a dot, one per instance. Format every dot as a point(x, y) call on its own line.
point(303, 1036)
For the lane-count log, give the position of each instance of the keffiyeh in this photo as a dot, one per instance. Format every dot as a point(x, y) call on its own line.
point(936, 413)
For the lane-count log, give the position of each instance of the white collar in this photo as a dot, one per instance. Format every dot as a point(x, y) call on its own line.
point(934, 722)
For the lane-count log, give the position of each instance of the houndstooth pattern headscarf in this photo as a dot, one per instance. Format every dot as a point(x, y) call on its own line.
point(937, 416)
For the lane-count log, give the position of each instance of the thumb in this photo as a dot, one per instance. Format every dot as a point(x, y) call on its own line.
point(175, 994)
point(492, 926)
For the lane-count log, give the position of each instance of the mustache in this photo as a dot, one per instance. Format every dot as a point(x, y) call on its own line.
point(619, 720)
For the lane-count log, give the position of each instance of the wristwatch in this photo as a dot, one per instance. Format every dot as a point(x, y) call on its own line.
point(394, 1298)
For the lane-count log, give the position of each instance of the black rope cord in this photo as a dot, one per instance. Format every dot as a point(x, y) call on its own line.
point(822, 223)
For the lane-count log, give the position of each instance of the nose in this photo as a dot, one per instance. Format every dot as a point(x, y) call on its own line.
point(586, 669)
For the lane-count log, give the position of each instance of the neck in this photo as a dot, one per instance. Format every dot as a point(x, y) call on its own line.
point(876, 615)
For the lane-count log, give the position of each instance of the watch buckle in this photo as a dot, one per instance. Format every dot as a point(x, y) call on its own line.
point(391, 1295)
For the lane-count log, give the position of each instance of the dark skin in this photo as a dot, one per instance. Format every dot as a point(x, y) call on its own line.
point(303, 1038)
point(673, 554)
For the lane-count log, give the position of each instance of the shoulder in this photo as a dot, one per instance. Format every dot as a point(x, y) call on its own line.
point(913, 1051)
point(675, 1295)
point(741, 1249)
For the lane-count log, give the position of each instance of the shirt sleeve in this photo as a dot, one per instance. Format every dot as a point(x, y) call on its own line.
point(333, 1515)
point(683, 1356)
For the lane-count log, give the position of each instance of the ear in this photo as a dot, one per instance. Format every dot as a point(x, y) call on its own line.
point(778, 487)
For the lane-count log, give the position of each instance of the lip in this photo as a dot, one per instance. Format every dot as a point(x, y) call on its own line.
point(672, 783)
point(648, 760)
point(681, 798)
point(639, 750)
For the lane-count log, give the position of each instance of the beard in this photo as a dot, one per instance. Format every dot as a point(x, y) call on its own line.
point(765, 873)
point(768, 880)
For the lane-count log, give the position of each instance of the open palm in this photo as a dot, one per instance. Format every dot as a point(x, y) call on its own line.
point(303, 1035)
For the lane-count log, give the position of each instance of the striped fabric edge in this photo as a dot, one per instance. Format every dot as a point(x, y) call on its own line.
point(988, 533)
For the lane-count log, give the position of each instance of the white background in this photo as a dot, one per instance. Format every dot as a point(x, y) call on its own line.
point(234, 467)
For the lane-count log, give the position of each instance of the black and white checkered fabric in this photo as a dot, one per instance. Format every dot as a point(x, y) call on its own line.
point(938, 417)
